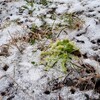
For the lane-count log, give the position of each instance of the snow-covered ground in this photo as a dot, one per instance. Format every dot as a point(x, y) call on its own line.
point(22, 80)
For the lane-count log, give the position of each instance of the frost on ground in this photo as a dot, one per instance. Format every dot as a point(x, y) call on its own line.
point(21, 75)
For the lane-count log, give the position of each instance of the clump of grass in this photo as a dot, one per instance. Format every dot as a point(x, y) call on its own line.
point(34, 28)
point(38, 33)
point(73, 21)
point(29, 6)
point(44, 2)
point(60, 51)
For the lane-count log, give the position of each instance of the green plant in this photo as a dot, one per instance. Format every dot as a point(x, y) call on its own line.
point(60, 51)
point(29, 6)
point(34, 28)
point(32, 41)
point(73, 22)
point(45, 31)
point(33, 62)
point(44, 2)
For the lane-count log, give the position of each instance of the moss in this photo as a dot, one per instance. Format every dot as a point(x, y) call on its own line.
point(60, 51)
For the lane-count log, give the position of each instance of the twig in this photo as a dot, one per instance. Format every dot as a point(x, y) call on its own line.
point(15, 43)
point(53, 24)
point(67, 76)
point(75, 65)
point(83, 32)
point(88, 66)
point(60, 32)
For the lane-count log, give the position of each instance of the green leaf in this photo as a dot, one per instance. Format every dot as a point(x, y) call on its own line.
point(33, 28)
point(33, 62)
point(44, 2)
point(32, 41)
point(27, 1)
point(25, 7)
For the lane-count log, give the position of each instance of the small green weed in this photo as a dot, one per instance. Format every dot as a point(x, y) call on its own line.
point(44, 2)
point(33, 62)
point(32, 41)
point(34, 28)
point(60, 51)
point(29, 6)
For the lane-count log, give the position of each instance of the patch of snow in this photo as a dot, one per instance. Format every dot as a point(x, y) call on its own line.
point(61, 9)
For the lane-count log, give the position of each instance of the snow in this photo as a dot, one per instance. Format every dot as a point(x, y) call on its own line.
point(76, 8)
point(61, 8)
point(32, 77)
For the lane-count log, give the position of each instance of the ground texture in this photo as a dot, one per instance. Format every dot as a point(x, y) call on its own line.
point(22, 77)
